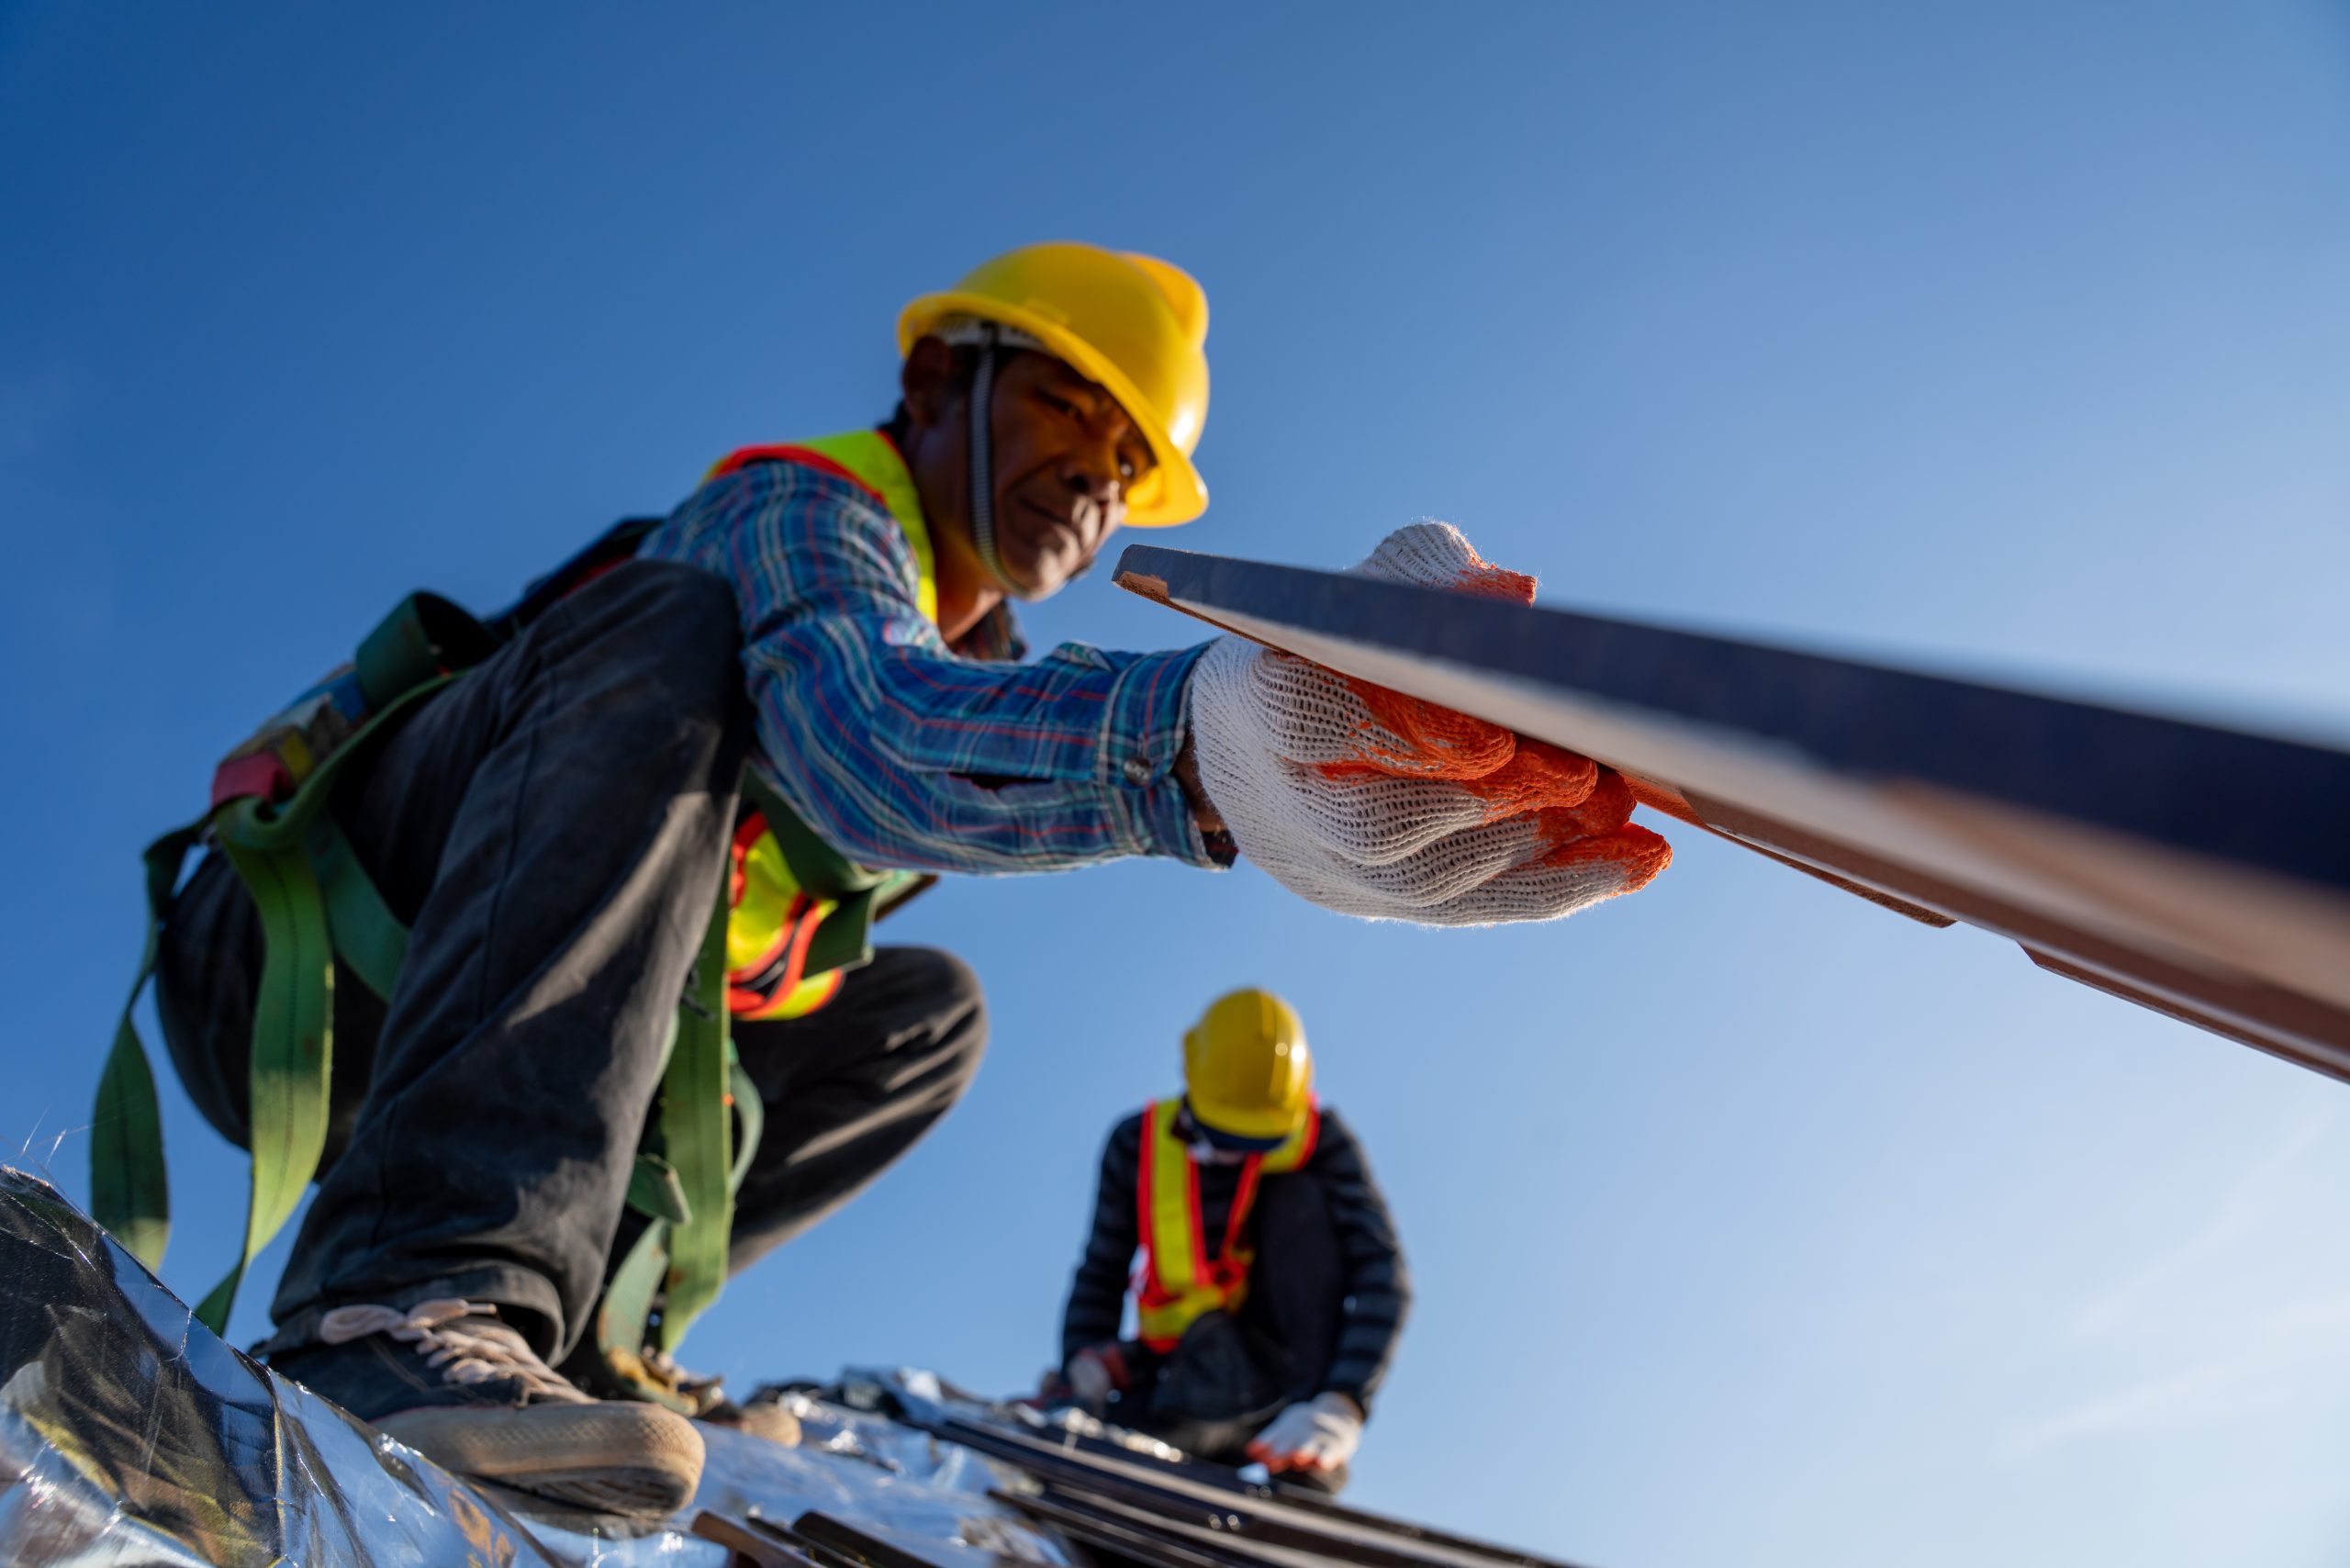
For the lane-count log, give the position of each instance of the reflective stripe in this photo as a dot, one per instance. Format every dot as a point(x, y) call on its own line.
point(1178, 1281)
point(771, 921)
point(811, 994)
point(308, 897)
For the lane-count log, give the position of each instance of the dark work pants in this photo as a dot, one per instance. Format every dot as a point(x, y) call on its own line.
point(553, 828)
point(1232, 1372)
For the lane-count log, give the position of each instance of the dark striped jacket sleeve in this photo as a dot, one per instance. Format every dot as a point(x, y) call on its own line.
point(1097, 1296)
point(1379, 1288)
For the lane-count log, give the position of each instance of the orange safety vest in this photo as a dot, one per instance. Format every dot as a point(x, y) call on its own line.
point(771, 920)
point(1178, 1281)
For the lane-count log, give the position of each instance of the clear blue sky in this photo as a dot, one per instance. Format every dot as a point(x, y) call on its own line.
point(1751, 1225)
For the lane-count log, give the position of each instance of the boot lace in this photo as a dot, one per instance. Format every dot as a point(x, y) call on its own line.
point(462, 1341)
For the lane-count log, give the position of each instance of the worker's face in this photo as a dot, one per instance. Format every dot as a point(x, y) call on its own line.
point(1066, 455)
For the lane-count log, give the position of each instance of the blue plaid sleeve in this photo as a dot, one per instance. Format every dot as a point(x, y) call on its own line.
point(896, 750)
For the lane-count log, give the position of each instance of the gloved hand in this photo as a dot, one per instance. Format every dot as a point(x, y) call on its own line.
point(1373, 804)
point(1093, 1373)
point(1321, 1433)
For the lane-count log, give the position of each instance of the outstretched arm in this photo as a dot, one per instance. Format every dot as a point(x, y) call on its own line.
point(901, 753)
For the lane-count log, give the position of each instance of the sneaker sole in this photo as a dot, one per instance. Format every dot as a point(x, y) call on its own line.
point(637, 1460)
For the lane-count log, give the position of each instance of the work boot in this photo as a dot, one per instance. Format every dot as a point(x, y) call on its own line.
point(656, 1376)
point(451, 1381)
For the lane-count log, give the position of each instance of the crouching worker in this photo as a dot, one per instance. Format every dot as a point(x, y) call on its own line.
point(1271, 1288)
point(546, 944)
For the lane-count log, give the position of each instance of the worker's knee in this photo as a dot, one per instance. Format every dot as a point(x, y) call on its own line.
point(667, 631)
point(957, 1007)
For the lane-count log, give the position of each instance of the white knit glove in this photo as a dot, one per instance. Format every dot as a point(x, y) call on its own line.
point(1372, 804)
point(1321, 1433)
point(1092, 1375)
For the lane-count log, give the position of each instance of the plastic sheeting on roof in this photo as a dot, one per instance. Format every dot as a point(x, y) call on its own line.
point(130, 1434)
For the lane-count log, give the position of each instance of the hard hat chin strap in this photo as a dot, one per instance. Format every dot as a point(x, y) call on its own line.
point(982, 451)
point(989, 338)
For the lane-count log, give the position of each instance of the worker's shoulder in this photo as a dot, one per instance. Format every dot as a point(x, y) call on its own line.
point(1126, 1132)
point(778, 478)
point(1333, 1134)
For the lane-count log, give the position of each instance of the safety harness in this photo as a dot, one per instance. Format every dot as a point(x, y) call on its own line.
point(793, 915)
point(1179, 1282)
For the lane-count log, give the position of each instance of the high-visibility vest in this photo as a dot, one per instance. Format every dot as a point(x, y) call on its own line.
point(1178, 1280)
point(773, 920)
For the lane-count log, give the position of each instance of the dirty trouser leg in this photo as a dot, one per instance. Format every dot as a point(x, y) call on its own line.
point(852, 1087)
point(552, 827)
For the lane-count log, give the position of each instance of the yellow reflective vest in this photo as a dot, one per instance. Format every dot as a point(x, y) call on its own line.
point(773, 921)
point(1178, 1280)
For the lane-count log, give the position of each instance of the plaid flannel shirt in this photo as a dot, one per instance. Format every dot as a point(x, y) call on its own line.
point(902, 752)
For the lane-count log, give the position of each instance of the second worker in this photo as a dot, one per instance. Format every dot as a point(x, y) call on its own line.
point(1271, 1287)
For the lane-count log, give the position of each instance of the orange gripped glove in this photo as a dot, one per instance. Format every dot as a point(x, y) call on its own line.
point(1374, 802)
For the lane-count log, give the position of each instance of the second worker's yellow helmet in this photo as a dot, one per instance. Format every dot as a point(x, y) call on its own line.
point(1247, 1070)
point(1135, 324)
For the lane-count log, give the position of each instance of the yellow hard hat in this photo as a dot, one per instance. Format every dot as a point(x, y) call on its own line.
point(1135, 324)
point(1247, 1070)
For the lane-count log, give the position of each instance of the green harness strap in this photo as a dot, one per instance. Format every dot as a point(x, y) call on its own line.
point(844, 940)
point(317, 903)
point(697, 1139)
point(688, 1189)
point(293, 1054)
point(129, 1193)
point(314, 900)
point(400, 663)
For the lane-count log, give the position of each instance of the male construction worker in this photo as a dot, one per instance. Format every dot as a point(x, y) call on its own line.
point(1271, 1288)
point(554, 854)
